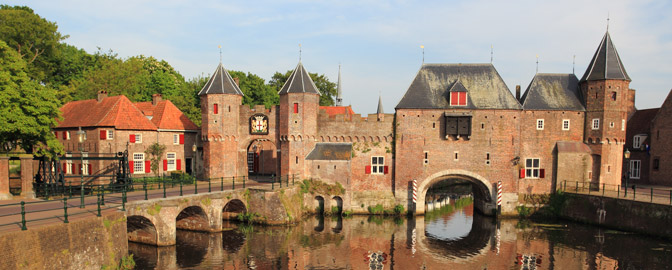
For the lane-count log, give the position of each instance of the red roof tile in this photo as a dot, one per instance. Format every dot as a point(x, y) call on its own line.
point(165, 115)
point(117, 112)
point(332, 111)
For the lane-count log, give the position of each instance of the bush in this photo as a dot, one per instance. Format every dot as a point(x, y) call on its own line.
point(398, 209)
point(524, 211)
point(376, 210)
point(335, 210)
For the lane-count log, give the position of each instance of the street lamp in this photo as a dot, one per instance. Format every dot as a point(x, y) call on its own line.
point(193, 158)
point(80, 138)
point(626, 155)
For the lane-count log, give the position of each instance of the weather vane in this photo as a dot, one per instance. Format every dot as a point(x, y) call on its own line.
point(423, 53)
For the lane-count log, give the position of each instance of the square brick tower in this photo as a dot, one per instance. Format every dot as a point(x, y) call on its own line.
point(606, 94)
point(299, 105)
point(221, 99)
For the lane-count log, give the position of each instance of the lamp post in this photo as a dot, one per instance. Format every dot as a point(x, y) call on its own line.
point(80, 138)
point(626, 155)
point(193, 164)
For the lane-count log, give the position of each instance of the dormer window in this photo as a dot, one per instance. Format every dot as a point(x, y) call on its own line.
point(458, 98)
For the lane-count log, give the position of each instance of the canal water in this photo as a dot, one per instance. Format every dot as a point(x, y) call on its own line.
point(458, 239)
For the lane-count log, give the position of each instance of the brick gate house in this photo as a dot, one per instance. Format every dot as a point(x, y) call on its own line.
point(455, 121)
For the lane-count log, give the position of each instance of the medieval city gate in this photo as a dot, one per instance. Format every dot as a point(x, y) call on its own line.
point(482, 189)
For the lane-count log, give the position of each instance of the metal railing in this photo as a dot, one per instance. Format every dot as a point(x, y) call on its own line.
point(632, 192)
point(66, 197)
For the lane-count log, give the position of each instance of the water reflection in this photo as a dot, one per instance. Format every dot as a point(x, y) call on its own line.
point(457, 240)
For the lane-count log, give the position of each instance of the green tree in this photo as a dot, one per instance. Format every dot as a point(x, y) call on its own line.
point(155, 151)
point(327, 88)
point(256, 91)
point(34, 38)
point(28, 110)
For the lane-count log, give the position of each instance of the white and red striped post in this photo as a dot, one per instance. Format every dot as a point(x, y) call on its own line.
point(499, 197)
point(415, 191)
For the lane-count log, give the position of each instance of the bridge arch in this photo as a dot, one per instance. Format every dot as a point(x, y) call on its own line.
point(192, 218)
point(482, 189)
point(232, 208)
point(142, 230)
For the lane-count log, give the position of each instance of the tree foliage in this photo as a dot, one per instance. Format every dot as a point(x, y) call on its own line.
point(155, 151)
point(28, 110)
point(256, 91)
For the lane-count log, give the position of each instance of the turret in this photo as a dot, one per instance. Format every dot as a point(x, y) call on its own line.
point(606, 95)
point(220, 106)
point(299, 105)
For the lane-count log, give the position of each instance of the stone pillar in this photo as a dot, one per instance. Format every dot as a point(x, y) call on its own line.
point(27, 177)
point(4, 179)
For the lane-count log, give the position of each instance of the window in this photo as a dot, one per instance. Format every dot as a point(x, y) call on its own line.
point(85, 164)
point(635, 166)
point(611, 124)
point(622, 124)
point(532, 168)
point(457, 157)
point(637, 140)
point(296, 107)
point(540, 124)
point(656, 163)
point(458, 126)
point(138, 163)
point(68, 165)
point(458, 98)
point(170, 161)
point(596, 123)
point(426, 160)
point(487, 158)
point(565, 124)
point(613, 96)
point(110, 134)
point(67, 135)
point(215, 108)
point(138, 138)
point(377, 165)
point(176, 139)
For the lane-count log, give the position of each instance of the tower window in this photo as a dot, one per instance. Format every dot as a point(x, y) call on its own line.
point(540, 124)
point(613, 96)
point(456, 156)
point(565, 124)
point(656, 163)
point(622, 124)
point(215, 108)
point(596, 123)
point(296, 107)
point(487, 158)
point(426, 160)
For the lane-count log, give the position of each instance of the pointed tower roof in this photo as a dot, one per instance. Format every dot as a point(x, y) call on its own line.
point(380, 105)
point(299, 82)
point(221, 83)
point(606, 63)
point(339, 96)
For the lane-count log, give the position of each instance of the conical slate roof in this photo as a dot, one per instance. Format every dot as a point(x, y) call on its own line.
point(221, 83)
point(299, 82)
point(552, 92)
point(380, 105)
point(606, 63)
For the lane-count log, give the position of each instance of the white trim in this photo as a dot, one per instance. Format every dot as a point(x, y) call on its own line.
point(540, 121)
point(635, 171)
point(379, 167)
point(594, 122)
point(531, 169)
point(563, 124)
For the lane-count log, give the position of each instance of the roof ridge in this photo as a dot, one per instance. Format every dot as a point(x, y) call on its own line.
point(114, 107)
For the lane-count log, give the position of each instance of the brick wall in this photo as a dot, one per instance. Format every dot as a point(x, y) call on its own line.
point(661, 144)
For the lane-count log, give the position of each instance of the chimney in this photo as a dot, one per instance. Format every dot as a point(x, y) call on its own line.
point(101, 95)
point(156, 98)
point(237, 81)
point(518, 92)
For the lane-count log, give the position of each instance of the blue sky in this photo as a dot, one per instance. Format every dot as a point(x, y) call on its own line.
point(377, 42)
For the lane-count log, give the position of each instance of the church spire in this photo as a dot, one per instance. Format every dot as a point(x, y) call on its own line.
point(339, 97)
point(606, 63)
point(380, 105)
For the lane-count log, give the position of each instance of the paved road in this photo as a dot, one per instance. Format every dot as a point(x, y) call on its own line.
point(43, 212)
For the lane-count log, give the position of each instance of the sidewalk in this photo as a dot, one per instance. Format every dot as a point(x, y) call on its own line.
point(641, 193)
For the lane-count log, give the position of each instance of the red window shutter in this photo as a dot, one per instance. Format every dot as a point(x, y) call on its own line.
point(179, 164)
point(463, 99)
point(181, 138)
point(453, 98)
point(367, 169)
point(522, 173)
point(130, 166)
point(56, 134)
point(542, 173)
point(65, 134)
point(88, 168)
point(148, 166)
point(165, 165)
point(65, 167)
point(385, 169)
point(215, 109)
point(296, 107)
point(103, 134)
point(131, 138)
